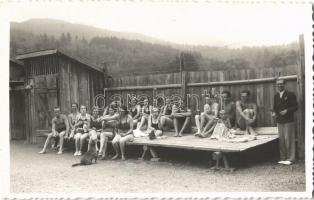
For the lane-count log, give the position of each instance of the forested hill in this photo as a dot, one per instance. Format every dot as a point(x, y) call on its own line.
point(127, 53)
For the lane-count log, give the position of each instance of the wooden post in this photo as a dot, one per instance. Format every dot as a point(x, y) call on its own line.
point(105, 83)
point(183, 80)
point(301, 101)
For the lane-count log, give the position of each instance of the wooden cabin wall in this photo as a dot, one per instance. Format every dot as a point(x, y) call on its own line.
point(40, 101)
point(78, 84)
point(17, 72)
point(17, 115)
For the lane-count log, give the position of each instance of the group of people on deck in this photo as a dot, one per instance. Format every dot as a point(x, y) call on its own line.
point(122, 124)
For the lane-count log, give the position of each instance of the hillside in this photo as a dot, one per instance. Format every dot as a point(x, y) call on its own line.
point(127, 53)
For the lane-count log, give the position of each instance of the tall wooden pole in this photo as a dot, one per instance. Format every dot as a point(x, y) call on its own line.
point(183, 80)
point(301, 101)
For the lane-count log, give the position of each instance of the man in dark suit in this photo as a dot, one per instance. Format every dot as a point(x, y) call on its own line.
point(285, 104)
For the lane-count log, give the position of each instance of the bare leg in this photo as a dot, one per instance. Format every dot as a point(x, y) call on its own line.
point(82, 140)
point(115, 144)
point(186, 122)
point(46, 144)
point(77, 142)
point(176, 128)
point(198, 125)
point(211, 124)
point(143, 119)
point(122, 142)
point(61, 135)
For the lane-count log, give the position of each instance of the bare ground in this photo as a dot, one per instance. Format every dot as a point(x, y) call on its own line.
point(50, 173)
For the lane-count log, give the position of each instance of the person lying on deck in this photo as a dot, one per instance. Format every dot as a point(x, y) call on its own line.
point(135, 111)
point(246, 113)
point(108, 131)
point(81, 130)
point(146, 110)
point(60, 127)
point(208, 118)
point(166, 119)
point(72, 118)
point(181, 119)
point(124, 131)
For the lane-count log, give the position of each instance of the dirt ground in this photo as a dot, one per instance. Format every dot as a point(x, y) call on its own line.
point(180, 171)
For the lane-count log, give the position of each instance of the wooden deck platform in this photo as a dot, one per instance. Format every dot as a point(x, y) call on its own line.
point(189, 141)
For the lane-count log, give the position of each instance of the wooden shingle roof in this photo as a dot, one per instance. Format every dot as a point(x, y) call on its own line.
point(58, 52)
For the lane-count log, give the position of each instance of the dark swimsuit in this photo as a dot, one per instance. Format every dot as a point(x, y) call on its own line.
point(168, 110)
point(95, 124)
point(154, 125)
point(60, 125)
point(124, 126)
point(146, 110)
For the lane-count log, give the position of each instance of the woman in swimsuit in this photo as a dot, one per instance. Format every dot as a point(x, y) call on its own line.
point(154, 123)
point(135, 111)
point(108, 128)
point(146, 110)
point(95, 128)
point(81, 129)
point(124, 131)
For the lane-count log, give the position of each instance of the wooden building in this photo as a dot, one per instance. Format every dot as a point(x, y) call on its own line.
point(53, 78)
point(17, 103)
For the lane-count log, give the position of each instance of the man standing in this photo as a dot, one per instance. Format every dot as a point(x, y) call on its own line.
point(285, 104)
point(60, 127)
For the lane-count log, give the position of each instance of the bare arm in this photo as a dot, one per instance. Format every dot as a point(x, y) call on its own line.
point(53, 128)
point(67, 129)
point(216, 108)
point(149, 122)
point(138, 108)
point(255, 112)
point(239, 109)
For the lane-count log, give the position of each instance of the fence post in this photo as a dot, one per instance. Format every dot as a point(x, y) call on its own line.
point(183, 80)
point(301, 100)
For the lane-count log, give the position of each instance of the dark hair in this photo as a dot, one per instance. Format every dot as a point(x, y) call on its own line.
point(95, 108)
point(247, 92)
point(226, 92)
point(56, 107)
point(76, 104)
point(82, 106)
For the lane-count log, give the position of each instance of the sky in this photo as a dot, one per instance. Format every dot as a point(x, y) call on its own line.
point(205, 23)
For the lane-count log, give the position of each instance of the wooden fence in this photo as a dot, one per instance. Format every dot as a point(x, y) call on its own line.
point(191, 87)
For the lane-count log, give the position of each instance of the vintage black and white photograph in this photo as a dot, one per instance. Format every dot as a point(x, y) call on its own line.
point(159, 97)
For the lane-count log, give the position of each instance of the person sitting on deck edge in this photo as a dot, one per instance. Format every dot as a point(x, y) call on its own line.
point(108, 131)
point(208, 117)
point(181, 120)
point(60, 127)
point(72, 118)
point(135, 111)
point(81, 132)
point(246, 113)
point(228, 106)
point(124, 131)
point(166, 119)
point(146, 110)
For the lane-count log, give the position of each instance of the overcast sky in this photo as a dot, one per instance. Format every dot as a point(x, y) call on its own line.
point(230, 24)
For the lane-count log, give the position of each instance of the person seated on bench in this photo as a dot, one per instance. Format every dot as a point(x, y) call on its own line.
point(154, 129)
point(146, 110)
point(108, 128)
point(209, 117)
point(95, 128)
point(246, 113)
point(228, 106)
point(181, 119)
point(60, 127)
point(72, 118)
point(124, 131)
point(135, 111)
point(222, 128)
point(166, 118)
point(81, 130)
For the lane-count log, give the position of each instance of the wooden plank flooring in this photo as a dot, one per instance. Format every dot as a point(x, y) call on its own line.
point(189, 141)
